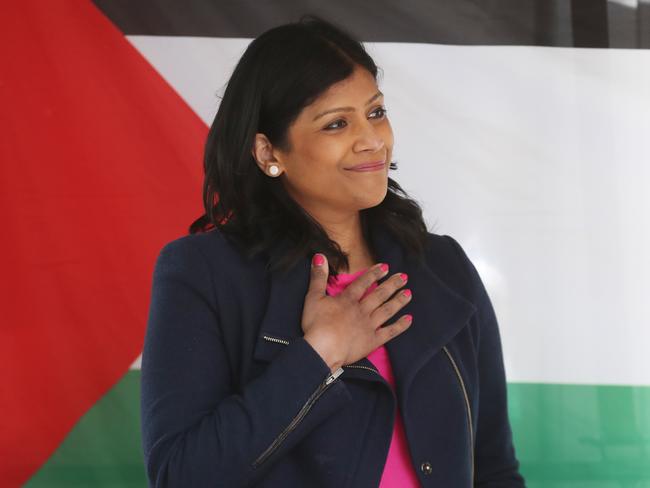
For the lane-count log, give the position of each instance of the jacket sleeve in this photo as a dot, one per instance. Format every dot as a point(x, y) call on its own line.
point(495, 459)
point(196, 429)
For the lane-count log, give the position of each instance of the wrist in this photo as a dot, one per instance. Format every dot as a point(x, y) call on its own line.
point(325, 350)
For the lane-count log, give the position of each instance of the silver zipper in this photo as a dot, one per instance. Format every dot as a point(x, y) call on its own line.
point(359, 366)
point(303, 411)
point(329, 379)
point(469, 409)
point(275, 339)
point(286, 343)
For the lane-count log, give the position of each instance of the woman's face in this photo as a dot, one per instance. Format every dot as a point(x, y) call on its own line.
point(354, 130)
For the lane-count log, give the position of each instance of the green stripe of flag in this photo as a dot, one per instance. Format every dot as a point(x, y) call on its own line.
point(566, 436)
point(103, 449)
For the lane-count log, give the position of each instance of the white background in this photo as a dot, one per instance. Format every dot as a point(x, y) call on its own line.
point(537, 160)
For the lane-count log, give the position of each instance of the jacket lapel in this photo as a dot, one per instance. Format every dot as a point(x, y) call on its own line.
point(438, 312)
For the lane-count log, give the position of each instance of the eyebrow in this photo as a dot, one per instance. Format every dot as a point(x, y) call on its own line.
point(348, 109)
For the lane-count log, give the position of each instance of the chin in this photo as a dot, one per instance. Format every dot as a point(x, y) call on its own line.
point(373, 199)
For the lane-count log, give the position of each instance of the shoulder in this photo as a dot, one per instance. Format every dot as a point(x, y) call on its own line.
point(199, 241)
point(199, 258)
point(210, 259)
point(448, 260)
point(444, 251)
point(203, 246)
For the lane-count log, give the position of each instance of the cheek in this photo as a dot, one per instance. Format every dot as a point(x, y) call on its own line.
point(318, 167)
point(324, 158)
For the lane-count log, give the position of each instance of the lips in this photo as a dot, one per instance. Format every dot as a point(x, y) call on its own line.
point(367, 166)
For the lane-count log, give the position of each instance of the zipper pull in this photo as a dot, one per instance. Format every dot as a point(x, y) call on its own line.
point(333, 376)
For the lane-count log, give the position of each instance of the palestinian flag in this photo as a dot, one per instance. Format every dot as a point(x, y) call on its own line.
point(521, 126)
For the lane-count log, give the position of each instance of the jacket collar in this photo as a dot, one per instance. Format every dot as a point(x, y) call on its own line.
point(438, 312)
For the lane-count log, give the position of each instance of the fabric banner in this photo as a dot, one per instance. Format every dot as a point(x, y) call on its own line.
point(520, 126)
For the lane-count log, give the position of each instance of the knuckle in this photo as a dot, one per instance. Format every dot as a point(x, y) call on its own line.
point(368, 283)
point(383, 335)
point(381, 294)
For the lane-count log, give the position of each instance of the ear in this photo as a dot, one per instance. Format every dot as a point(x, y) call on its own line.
point(262, 152)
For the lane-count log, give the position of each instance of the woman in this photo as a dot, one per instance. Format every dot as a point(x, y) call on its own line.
point(283, 348)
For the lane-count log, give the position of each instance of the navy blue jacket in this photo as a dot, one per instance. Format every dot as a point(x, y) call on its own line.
point(232, 394)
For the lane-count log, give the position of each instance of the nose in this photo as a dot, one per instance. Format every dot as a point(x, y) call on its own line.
point(368, 139)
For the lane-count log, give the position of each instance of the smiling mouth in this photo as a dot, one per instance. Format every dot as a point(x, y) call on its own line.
point(368, 167)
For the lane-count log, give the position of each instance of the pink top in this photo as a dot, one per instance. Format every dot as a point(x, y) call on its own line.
point(398, 470)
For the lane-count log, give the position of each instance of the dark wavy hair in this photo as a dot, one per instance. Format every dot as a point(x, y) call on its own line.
point(281, 72)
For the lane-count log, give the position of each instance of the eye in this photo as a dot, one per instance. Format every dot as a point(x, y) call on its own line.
point(380, 110)
point(331, 126)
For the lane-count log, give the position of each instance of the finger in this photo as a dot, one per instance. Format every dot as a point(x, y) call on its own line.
point(385, 334)
point(356, 289)
point(319, 274)
point(387, 310)
point(383, 292)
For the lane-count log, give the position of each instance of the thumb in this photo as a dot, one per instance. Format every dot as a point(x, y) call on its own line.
point(319, 274)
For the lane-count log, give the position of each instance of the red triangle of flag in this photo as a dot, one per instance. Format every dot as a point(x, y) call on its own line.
point(101, 164)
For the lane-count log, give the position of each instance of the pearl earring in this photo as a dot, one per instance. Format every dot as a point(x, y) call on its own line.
point(273, 169)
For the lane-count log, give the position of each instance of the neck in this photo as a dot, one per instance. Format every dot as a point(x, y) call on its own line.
point(349, 236)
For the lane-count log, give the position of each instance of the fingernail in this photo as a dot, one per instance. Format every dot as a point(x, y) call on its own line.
point(318, 260)
point(404, 277)
point(384, 267)
point(409, 317)
point(407, 293)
